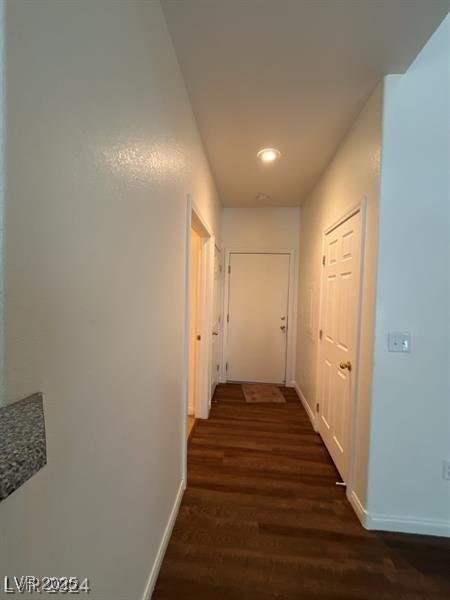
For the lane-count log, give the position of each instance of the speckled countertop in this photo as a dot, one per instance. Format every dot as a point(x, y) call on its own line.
point(22, 442)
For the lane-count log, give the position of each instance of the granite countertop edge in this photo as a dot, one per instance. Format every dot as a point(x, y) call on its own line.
point(23, 449)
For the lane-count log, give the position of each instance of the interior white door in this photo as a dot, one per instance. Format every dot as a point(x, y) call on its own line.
point(340, 307)
point(216, 320)
point(257, 317)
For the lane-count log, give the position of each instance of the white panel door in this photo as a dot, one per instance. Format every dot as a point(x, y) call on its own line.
point(258, 314)
point(216, 320)
point(340, 306)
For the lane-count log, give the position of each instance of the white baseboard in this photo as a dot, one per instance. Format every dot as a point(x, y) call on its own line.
point(379, 522)
point(306, 406)
point(163, 545)
point(358, 507)
point(401, 524)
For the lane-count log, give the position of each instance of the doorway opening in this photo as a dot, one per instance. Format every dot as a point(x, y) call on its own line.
point(200, 244)
point(195, 319)
point(216, 348)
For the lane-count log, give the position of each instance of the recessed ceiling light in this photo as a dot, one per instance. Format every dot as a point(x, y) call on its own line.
point(268, 155)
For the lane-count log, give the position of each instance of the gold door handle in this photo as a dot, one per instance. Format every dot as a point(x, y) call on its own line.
point(346, 365)
point(215, 333)
point(283, 327)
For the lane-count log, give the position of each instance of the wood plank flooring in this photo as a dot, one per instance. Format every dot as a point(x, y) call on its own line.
point(263, 519)
point(191, 423)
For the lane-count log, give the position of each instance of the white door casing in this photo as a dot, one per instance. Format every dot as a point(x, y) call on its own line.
point(338, 345)
point(257, 314)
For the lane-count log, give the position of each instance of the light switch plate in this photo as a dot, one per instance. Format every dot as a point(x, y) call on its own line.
point(446, 470)
point(399, 341)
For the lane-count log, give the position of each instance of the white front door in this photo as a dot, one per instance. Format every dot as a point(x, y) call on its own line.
point(340, 307)
point(257, 317)
point(216, 320)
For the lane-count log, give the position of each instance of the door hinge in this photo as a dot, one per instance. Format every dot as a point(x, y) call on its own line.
point(317, 407)
point(228, 317)
point(323, 259)
point(217, 367)
point(226, 366)
point(320, 334)
point(229, 268)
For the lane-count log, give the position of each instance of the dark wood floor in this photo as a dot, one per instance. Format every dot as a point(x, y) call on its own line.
point(263, 519)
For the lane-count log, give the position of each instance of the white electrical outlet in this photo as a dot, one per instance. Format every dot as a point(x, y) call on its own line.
point(446, 469)
point(399, 341)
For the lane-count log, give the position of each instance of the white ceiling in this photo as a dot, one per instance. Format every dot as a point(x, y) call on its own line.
point(287, 73)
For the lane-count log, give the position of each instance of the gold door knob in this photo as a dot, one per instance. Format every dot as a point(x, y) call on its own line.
point(215, 333)
point(283, 327)
point(346, 365)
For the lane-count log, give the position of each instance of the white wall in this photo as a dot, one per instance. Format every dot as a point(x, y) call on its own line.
point(260, 228)
point(2, 195)
point(102, 150)
point(353, 174)
point(411, 392)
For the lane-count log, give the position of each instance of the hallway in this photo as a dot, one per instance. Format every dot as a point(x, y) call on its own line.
point(200, 192)
point(262, 518)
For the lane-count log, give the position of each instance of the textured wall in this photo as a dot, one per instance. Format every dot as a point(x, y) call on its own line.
point(2, 193)
point(102, 151)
